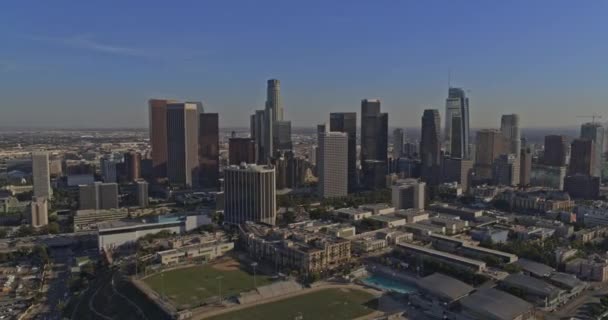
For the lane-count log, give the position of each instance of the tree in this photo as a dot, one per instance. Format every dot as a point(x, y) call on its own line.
point(3, 233)
point(25, 231)
point(40, 254)
point(289, 216)
point(53, 228)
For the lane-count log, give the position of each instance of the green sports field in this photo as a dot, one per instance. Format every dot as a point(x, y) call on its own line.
point(188, 287)
point(331, 304)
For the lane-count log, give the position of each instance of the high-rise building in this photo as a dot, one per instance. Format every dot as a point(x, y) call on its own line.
point(582, 157)
point(525, 166)
point(98, 196)
point(41, 175)
point(241, 150)
point(509, 127)
point(595, 132)
point(273, 99)
point(430, 147)
point(398, 140)
point(158, 135)
point(182, 144)
point(457, 105)
point(556, 150)
point(582, 186)
point(132, 161)
point(108, 169)
point(39, 212)
point(374, 137)
point(347, 122)
point(249, 194)
point(333, 157)
point(505, 170)
point(260, 132)
point(490, 145)
point(142, 193)
point(282, 135)
point(457, 170)
point(408, 194)
point(208, 151)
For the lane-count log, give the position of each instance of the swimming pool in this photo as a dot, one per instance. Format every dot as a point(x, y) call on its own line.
point(388, 284)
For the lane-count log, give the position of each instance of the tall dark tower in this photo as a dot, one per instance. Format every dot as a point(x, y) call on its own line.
point(457, 104)
point(208, 151)
point(430, 147)
point(374, 138)
point(347, 122)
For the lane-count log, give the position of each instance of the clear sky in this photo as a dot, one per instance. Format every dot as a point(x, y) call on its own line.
point(95, 63)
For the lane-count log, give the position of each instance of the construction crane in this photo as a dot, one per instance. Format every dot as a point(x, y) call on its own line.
point(592, 116)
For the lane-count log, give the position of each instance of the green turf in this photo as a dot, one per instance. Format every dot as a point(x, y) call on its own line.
point(332, 304)
point(190, 286)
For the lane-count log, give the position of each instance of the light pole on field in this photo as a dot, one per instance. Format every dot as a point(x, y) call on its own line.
point(219, 287)
point(254, 265)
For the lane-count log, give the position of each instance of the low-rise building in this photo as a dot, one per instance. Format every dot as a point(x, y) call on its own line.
point(196, 252)
point(537, 291)
point(87, 219)
point(412, 215)
point(443, 288)
point(594, 268)
point(115, 234)
point(389, 220)
point(454, 245)
point(352, 214)
point(296, 248)
point(538, 200)
point(563, 254)
point(452, 224)
point(493, 304)
point(491, 235)
point(378, 208)
point(416, 251)
point(464, 213)
point(588, 235)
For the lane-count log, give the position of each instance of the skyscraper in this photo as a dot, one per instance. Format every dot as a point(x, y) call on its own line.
point(249, 194)
point(430, 146)
point(282, 135)
point(98, 196)
point(273, 99)
point(374, 135)
point(333, 173)
point(158, 135)
point(525, 166)
point(208, 151)
point(556, 150)
point(505, 170)
point(490, 145)
point(39, 212)
point(142, 193)
point(408, 194)
point(262, 135)
point(41, 175)
point(509, 127)
point(241, 150)
point(582, 157)
point(398, 140)
point(595, 132)
point(132, 165)
point(347, 122)
point(457, 104)
point(108, 168)
point(182, 143)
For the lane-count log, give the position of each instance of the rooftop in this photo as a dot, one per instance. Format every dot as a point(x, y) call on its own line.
point(445, 287)
point(537, 286)
point(496, 304)
point(535, 268)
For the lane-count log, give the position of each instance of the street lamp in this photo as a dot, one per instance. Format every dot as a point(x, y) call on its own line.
point(254, 264)
point(219, 286)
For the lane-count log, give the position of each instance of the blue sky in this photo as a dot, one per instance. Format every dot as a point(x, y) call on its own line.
point(95, 63)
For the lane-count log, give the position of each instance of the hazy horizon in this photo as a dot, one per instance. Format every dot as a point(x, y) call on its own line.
point(65, 66)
